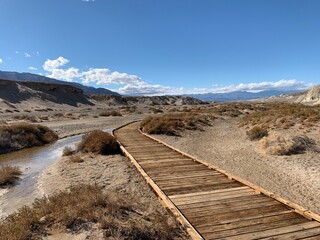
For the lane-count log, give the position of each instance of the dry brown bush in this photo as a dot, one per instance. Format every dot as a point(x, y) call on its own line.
point(67, 151)
point(256, 133)
point(99, 142)
point(24, 135)
point(172, 124)
point(278, 145)
point(281, 115)
point(83, 205)
point(110, 113)
point(75, 159)
point(30, 118)
point(9, 175)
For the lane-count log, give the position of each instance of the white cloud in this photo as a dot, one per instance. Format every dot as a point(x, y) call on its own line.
point(290, 84)
point(87, 0)
point(134, 85)
point(49, 64)
point(100, 76)
point(103, 76)
point(1, 61)
point(32, 68)
point(69, 74)
point(16, 52)
point(27, 55)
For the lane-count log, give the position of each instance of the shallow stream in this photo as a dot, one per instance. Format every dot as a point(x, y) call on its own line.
point(32, 162)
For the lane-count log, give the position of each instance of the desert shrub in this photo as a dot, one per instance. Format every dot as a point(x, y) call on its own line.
point(75, 159)
point(156, 110)
point(110, 113)
point(67, 114)
point(24, 135)
point(172, 124)
point(74, 210)
point(99, 142)
point(281, 115)
point(256, 133)
point(278, 145)
point(58, 115)
point(44, 117)
point(9, 175)
point(25, 117)
point(67, 151)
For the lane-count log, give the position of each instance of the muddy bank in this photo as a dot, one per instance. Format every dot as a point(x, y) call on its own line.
point(295, 177)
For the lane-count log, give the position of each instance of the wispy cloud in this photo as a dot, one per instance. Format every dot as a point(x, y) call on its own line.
point(17, 52)
point(134, 85)
point(32, 68)
point(27, 55)
point(1, 61)
point(87, 0)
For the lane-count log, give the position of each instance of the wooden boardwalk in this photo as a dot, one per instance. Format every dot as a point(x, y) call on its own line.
point(210, 204)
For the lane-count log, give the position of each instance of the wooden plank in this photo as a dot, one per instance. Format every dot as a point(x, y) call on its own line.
point(201, 188)
point(187, 181)
point(236, 216)
point(209, 227)
point(303, 234)
point(195, 175)
point(163, 160)
point(217, 196)
point(188, 195)
point(271, 233)
point(245, 199)
point(235, 209)
point(254, 228)
point(227, 207)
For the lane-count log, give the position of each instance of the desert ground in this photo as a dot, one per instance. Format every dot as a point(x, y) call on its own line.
point(284, 161)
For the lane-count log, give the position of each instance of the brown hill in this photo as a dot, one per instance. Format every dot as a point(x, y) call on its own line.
point(20, 94)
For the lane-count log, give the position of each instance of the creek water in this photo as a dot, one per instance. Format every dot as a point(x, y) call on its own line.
point(32, 162)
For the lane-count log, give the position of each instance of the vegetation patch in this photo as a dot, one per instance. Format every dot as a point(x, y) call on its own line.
point(24, 135)
point(75, 210)
point(110, 113)
point(172, 124)
point(9, 175)
point(282, 115)
point(99, 142)
point(279, 146)
point(256, 133)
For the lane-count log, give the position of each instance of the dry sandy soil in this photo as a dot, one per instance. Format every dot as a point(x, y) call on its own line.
point(295, 177)
point(110, 172)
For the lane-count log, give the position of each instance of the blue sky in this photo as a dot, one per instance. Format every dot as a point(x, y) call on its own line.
point(151, 47)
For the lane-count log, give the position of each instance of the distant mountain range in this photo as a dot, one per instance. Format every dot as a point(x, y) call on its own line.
point(238, 95)
point(29, 77)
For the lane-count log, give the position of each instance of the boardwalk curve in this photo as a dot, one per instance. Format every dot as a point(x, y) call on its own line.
point(209, 202)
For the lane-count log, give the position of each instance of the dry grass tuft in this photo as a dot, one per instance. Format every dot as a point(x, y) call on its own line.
point(99, 142)
point(278, 145)
point(110, 113)
point(75, 159)
point(172, 124)
point(26, 117)
point(256, 133)
point(23, 135)
point(83, 205)
point(68, 151)
point(9, 175)
point(281, 115)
